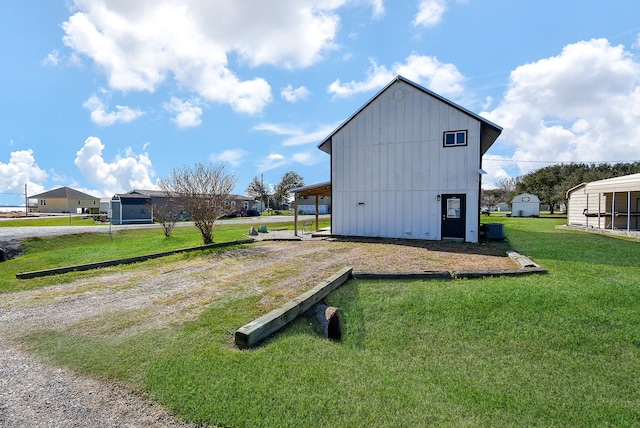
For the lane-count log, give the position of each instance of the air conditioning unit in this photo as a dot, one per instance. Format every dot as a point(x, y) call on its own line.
point(494, 230)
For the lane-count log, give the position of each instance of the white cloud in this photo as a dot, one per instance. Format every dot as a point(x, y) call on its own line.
point(273, 161)
point(428, 71)
point(188, 113)
point(296, 137)
point(100, 116)
point(581, 105)
point(139, 45)
point(294, 95)
point(234, 156)
point(307, 158)
point(20, 170)
point(378, 7)
point(430, 13)
point(53, 58)
point(122, 175)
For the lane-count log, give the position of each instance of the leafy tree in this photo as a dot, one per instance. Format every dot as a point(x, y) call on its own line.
point(204, 192)
point(551, 183)
point(290, 180)
point(546, 184)
point(257, 190)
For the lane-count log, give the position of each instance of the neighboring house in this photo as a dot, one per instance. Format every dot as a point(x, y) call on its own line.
point(238, 204)
point(131, 208)
point(408, 164)
point(613, 203)
point(503, 207)
point(66, 200)
point(525, 205)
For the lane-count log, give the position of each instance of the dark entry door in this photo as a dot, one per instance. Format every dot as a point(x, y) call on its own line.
point(453, 215)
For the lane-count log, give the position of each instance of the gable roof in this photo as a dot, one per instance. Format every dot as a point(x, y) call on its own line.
point(63, 193)
point(163, 194)
point(489, 131)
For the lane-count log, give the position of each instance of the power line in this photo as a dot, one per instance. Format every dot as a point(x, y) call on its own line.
point(556, 161)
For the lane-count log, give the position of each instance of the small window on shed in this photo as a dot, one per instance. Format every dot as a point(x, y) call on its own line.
point(455, 138)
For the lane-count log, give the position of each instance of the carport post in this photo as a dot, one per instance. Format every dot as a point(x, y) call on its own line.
point(317, 215)
point(295, 214)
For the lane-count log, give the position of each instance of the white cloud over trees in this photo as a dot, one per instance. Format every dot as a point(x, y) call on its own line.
point(121, 175)
point(21, 169)
point(234, 157)
point(581, 105)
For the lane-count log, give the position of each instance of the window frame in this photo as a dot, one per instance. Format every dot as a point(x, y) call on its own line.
point(455, 138)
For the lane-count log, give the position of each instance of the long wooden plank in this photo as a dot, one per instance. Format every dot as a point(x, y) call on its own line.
point(260, 328)
point(128, 260)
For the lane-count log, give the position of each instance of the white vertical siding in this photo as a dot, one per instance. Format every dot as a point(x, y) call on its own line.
point(390, 165)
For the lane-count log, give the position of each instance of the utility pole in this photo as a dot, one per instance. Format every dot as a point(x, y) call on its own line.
point(262, 189)
point(26, 201)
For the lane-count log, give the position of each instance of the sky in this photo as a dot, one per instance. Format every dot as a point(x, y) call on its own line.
point(107, 96)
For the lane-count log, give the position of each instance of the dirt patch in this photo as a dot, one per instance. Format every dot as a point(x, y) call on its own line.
point(152, 298)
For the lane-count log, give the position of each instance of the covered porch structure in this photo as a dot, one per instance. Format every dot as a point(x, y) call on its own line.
point(618, 201)
point(314, 191)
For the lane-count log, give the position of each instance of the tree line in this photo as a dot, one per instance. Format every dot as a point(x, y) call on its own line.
point(280, 194)
point(550, 184)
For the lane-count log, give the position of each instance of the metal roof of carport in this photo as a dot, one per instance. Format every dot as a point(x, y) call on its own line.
point(626, 183)
point(320, 189)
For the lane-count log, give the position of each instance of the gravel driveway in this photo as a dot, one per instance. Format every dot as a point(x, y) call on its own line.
point(35, 394)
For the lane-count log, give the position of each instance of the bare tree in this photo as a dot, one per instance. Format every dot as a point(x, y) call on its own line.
point(203, 191)
point(165, 212)
point(507, 187)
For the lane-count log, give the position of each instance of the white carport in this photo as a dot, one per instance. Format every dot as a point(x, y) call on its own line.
point(618, 202)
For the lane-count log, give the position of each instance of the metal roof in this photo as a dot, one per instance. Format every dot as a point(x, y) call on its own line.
point(626, 183)
point(320, 189)
point(63, 193)
point(489, 131)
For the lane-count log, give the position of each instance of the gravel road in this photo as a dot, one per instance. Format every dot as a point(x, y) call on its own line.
point(34, 394)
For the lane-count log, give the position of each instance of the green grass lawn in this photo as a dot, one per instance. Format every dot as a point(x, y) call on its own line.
point(50, 221)
point(561, 349)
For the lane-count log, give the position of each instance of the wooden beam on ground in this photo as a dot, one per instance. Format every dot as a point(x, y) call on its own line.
point(260, 328)
point(523, 261)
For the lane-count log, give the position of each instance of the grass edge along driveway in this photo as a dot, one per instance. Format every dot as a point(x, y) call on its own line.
point(555, 350)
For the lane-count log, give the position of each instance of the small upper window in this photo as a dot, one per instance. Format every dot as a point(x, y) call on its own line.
point(455, 138)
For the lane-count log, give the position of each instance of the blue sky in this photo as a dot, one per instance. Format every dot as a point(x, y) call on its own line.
point(108, 96)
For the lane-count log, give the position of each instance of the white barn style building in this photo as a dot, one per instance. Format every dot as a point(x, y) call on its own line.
point(613, 204)
point(525, 205)
point(408, 164)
